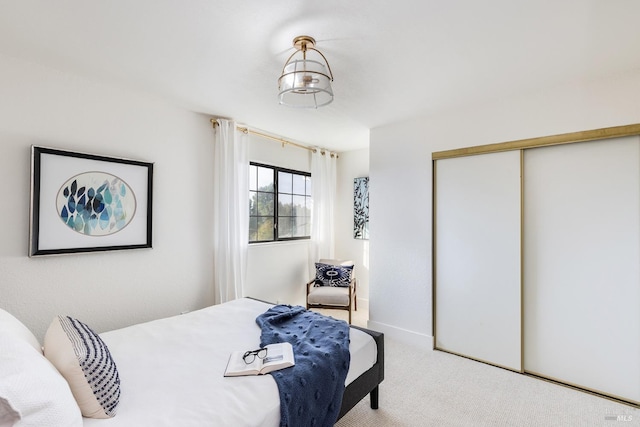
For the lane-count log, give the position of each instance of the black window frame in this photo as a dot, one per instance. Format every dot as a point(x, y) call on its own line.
point(276, 229)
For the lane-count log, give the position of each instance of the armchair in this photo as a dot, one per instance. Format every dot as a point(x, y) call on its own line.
point(334, 286)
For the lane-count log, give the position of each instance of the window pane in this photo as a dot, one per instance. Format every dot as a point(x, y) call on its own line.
point(298, 184)
point(284, 182)
point(265, 204)
point(253, 229)
point(300, 229)
point(298, 205)
point(253, 177)
point(265, 228)
point(265, 179)
point(303, 216)
point(285, 204)
point(284, 227)
point(253, 203)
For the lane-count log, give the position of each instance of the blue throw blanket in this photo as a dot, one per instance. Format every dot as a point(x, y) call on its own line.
point(311, 391)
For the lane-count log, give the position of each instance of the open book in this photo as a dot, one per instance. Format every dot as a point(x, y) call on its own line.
point(278, 356)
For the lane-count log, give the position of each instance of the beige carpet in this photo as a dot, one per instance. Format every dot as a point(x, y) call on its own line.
point(433, 388)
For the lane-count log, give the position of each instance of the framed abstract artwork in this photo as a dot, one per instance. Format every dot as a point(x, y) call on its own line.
point(86, 203)
point(361, 208)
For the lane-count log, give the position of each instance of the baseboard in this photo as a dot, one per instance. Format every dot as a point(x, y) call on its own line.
point(422, 341)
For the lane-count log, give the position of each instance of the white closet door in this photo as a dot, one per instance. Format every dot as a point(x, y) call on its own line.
point(477, 261)
point(582, 265)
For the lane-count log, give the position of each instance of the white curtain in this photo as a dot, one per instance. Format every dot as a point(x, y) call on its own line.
point(323, 191)
point(230, 211)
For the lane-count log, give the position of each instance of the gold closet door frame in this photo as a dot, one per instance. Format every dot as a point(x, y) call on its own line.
point(522, 145)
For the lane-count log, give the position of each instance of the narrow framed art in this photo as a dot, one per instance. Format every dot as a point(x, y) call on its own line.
point(361, 208)
point(86, 203)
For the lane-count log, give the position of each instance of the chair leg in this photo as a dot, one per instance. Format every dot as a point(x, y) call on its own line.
point(349, 315)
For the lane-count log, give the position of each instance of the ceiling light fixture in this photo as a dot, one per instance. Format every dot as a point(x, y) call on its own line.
point(304, 83)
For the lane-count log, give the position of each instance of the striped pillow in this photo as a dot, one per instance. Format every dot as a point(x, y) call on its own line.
point(84, 361)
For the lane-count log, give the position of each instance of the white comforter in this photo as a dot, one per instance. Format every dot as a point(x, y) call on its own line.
point(171, 370)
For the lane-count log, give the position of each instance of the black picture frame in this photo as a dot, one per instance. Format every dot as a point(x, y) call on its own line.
point(87, 203)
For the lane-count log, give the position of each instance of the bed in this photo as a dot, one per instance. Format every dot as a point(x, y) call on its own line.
point(171, 371)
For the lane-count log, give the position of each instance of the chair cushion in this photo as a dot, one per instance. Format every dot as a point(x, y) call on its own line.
point(333, 275)
point(328, 295)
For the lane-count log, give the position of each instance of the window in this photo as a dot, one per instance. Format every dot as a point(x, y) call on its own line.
point(279, 204)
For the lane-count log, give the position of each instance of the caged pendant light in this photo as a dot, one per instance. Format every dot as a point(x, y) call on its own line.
point(304, 83)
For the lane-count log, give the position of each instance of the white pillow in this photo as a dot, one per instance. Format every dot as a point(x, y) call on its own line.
point(12, 326)
point(32, 391)
point(84, 361)
point(8, 414)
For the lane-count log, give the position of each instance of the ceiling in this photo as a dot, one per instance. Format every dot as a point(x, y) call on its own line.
point(391, 60)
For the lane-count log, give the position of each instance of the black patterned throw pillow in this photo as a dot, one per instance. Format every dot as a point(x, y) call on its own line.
point(333, 275)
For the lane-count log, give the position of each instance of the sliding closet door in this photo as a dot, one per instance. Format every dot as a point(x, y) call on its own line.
point(582, 265)
point(477, 257)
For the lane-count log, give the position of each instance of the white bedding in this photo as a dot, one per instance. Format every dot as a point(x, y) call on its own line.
point(171, 370)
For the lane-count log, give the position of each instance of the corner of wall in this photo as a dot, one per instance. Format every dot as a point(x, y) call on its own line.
point(416, 339)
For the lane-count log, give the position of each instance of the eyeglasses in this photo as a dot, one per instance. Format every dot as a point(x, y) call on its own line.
point(250, 356)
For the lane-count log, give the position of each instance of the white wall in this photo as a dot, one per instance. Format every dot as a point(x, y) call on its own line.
point(107, 290)
point(352, 164)
point(400, 169)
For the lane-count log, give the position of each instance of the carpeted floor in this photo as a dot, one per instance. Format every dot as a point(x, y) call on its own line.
point(433, 388)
